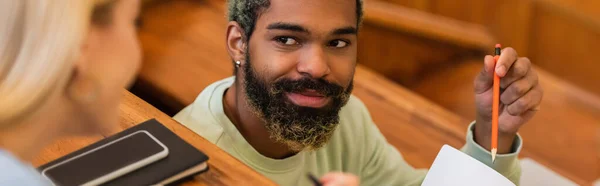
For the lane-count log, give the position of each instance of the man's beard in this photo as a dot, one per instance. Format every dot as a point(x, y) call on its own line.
point(296, 126)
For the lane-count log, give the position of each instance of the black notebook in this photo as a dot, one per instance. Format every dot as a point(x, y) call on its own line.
point(182, 162)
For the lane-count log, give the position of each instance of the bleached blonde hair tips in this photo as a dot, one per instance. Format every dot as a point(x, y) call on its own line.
point(39, 44)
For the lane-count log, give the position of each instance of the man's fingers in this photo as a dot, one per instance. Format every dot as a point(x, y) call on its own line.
point(529, 101)
point(519, 88)
point(339, 179)
point(485, 79)
point(329, 177)
point(507, 59)
point(519, 70)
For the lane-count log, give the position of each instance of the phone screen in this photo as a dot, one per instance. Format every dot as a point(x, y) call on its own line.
point(104, 160)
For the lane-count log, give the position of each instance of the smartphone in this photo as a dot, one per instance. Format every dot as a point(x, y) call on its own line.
point(109, 161)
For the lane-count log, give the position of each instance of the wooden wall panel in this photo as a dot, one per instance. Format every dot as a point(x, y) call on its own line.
point(404, 44)
point(403, 58)
point(424, 5)
point(566, 48)
point(507, 20)
point(173, 28)
point(510, 22)
point(559, 35)
point(582, 10)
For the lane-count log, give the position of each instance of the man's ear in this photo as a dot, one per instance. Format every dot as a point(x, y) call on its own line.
point(236, 42)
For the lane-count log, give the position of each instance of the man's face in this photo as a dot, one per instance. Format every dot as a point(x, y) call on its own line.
point(299, 68)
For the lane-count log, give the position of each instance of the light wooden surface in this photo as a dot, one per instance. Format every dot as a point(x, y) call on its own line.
point(564, 134)
point(223, 168)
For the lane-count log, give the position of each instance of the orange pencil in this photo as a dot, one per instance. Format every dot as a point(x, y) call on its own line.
point(495, 104)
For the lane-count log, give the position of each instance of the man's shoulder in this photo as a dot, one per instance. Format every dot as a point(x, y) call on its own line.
point(350, 140)
point(354, 117)
point(355, 111)
point(202, 116)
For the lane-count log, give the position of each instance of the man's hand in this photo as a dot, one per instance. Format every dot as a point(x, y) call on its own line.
point(520, 97)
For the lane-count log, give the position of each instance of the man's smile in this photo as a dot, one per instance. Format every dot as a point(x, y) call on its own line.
point(308, 98)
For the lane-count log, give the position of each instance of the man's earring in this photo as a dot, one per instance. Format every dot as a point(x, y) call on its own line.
point(238, 64)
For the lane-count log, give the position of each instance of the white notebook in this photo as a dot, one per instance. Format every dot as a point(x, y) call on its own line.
point(455, 168)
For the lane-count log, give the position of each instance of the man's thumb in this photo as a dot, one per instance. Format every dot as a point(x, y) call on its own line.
point(485, 79)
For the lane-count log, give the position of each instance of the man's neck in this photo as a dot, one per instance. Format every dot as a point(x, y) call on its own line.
point(250, 125)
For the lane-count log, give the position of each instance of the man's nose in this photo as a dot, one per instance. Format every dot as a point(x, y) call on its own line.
point(315, 64)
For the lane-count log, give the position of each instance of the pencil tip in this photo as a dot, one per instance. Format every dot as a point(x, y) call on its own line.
point(494, 151)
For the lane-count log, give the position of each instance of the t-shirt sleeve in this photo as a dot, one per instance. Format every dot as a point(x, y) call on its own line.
point(506, 164)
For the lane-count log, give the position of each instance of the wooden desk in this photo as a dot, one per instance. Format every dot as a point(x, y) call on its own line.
point(224, 169)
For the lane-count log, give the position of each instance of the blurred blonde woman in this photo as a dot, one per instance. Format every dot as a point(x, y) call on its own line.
point(63, 66)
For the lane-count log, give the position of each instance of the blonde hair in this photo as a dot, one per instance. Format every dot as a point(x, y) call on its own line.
point(39, 43)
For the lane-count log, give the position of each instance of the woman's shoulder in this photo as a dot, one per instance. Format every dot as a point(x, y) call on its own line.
point(15, 172)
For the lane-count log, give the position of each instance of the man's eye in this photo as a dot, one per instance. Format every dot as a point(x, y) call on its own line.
point(287, 40)
point(338, 43)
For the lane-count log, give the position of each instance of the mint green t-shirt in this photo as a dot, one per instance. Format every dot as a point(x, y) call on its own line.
point(356, 147)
